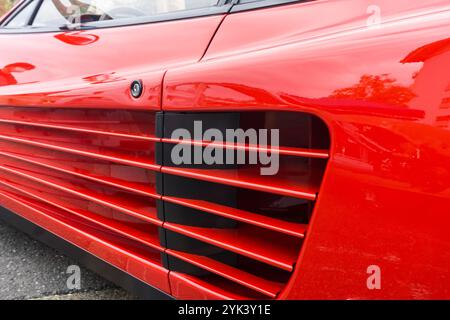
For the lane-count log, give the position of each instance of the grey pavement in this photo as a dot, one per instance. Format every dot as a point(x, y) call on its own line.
point(31, 270)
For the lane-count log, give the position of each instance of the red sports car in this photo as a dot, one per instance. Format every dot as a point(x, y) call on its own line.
point(225, 149)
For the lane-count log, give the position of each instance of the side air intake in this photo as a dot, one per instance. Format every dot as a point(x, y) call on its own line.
point(105, 181)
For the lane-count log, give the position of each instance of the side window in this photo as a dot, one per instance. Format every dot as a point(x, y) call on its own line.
point(55, 13)
point(22, 18)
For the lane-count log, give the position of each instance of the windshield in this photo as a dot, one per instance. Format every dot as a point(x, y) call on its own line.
point(61, 12)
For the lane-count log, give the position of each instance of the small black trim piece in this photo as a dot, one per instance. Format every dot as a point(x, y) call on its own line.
point(160, 206)
point(104, 269)
point(245, 5)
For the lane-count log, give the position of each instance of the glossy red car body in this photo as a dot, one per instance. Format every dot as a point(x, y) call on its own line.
point(382, 90)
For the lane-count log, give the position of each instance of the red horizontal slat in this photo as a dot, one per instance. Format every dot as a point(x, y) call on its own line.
point(287, 151)
point(253, 244)
point(268, 288)
point(47, 125)
point(251, 180)
point(289, 228)
point(138, 210)
point(139, 188)
point(84, 150)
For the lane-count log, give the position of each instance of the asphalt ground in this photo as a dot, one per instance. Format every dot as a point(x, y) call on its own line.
point(31, 270)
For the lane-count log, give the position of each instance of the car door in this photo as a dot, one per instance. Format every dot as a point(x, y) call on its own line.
point(80, 84)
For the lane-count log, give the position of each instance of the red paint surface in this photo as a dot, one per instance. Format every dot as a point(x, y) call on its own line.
point(95, 160)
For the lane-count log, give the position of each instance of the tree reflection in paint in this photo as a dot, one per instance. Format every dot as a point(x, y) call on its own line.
point(377, 88)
